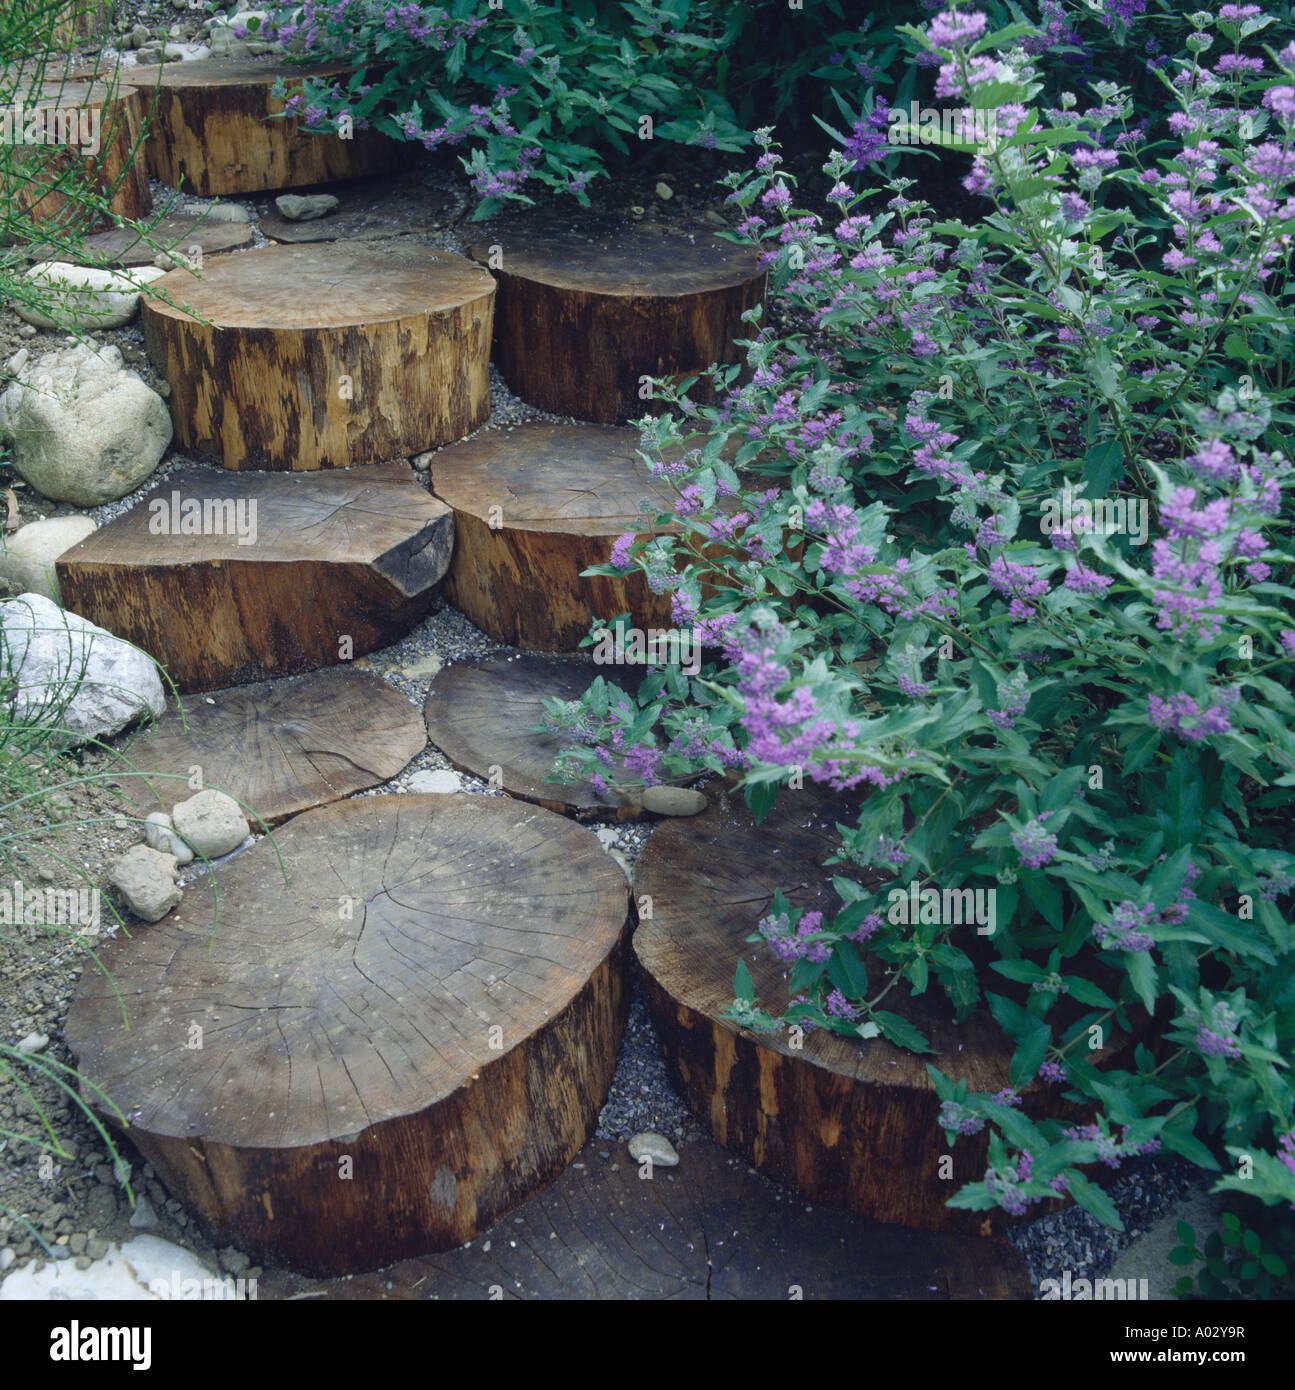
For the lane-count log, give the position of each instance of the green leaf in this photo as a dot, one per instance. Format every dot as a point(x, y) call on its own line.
point(760, 797)
point(1103, 469)
point(1095, 1201)
point(901, 1032)
point(743, 984)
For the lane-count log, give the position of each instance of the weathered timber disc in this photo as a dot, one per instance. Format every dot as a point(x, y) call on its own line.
point(324, 356)
point(368, 210)
point(217, 130)
point(586, 312)
point(601, 1232)
point(480, 713)
point(340, 564)
point(533, 507)
point(180, 232)
point(444, 1043)
point(108, 118)
point(853, 1124)
point(279, 747)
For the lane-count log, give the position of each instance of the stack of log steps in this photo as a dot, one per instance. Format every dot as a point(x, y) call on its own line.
point(587, 314)
point(850, 1123)
point(411, 1035)
point(483, 715)
point(217, 129)
point(324, 355)
point(536, 505)
point(277, 747)
point(113, 113)
point(233, 577)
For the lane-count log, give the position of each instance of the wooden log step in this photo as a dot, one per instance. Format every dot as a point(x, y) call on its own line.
point(182, 233)
point(227, 578)
point(852, 1124)
point(370, 209)
point(279, 747)
point(534, 506)
point(324, 356)
point(587, 312)
point(217, 130)
point(482, 713)
point(110, 116)
point(408, 1038)
point(708, 1229)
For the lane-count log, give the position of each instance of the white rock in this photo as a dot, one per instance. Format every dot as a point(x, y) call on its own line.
point(146, 1268)
point(304, 207)
point(159, 834)
point(145, 878)
point(34, 1042)
point(224, 212)
point(83, 428)
point(664, 191)
point(439, 781)
point(211, 822)
point(72, 674)
point(27, 557)
point(84, 296)
point(671, 801)
point(656, 1147)
point(7, 1257)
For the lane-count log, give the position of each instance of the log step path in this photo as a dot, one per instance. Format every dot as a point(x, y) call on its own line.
point(325, 355)
point(306, 570)
point(402, 1041)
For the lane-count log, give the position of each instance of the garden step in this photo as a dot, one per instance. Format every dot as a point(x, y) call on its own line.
point(324, 356)
point(279, 747)
point(369, 209)
point(112, 112)
point(213, 135)
point(430, 1007)
point(338, 564)
point(176, 232)
point(533, 507)
point(708, 1229)
point(852, 1124)
point(482, 713)
point(586, 313)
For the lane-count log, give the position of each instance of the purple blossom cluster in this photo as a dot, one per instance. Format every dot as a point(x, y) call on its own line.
point(1033, 843)
point(800, 943)
point(1181, 714)
point(1124, 931)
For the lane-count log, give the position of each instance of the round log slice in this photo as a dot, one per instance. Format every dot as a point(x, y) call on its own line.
point(382, 1082)
point(182, 232)
point(35, 176)
point(850, 1123)
point(218, 130)
point(533, 507)
point(585, 313)
point(481, 714)
point(325, 355)
point(279, 747)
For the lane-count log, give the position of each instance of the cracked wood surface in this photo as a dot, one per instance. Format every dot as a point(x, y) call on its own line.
point(323, 355)
point(279, 747)
point(217, 129)
point(351, 1102)
point(336, 555)
point(482, 714)
point(585, 313)
point(709, 1229)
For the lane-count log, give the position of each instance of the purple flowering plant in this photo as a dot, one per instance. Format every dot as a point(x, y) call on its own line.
point(1100, 733)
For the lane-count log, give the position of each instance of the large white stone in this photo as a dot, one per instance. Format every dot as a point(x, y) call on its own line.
point(83, 428)
point(27, 557)
point(82, 296)
point(145, 878)
point(72, 674)
point(146, 1268)
point(211, 823)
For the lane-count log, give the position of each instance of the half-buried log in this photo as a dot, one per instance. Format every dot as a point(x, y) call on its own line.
point(218, 129)
point(228, 577)
point(533, 507)
point(850, 1123)
point(74, 131)
point(325, 355)
point(408, 1038)
point(279, 747)
point(482, 714)
point(588, 314)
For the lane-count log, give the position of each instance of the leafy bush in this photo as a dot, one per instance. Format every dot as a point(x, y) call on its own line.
point(919, 601)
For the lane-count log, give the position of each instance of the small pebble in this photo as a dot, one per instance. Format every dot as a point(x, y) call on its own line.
point(656, 1147)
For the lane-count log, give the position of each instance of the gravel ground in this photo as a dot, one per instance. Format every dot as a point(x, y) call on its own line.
point(78, 1207)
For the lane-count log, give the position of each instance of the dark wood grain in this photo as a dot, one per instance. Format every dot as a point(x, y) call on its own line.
point(325, 355)
point(370, 1036)
point(356, 555)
